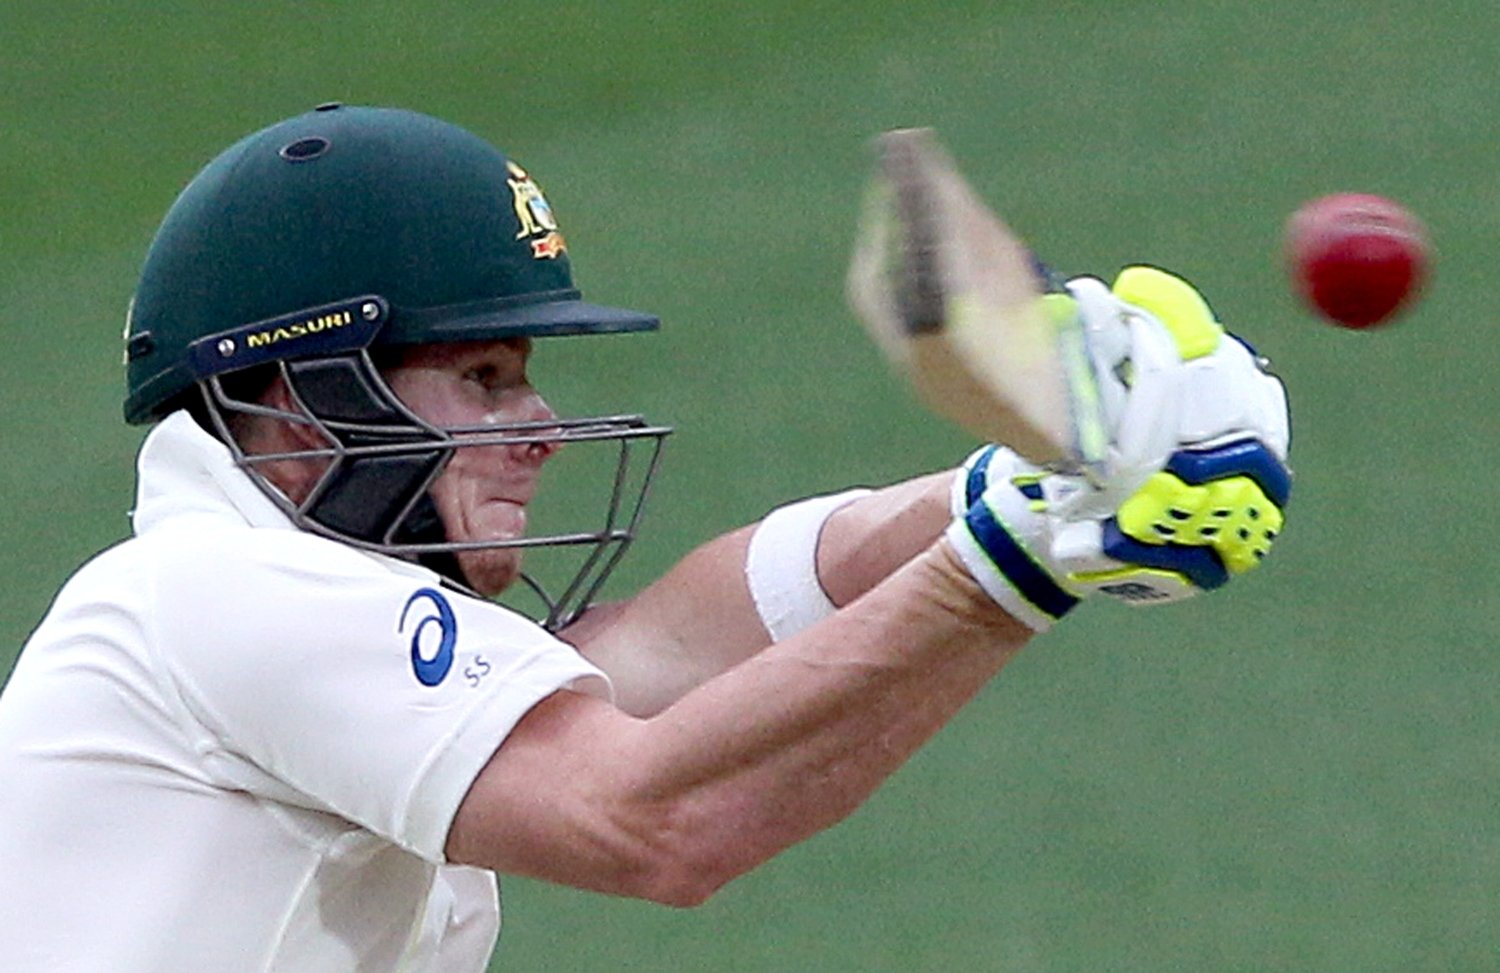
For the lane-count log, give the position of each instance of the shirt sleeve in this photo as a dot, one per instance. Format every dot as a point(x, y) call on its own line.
point(376, 692)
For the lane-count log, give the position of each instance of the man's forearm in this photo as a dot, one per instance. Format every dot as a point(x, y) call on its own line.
point(748, 763)
point(796, 738)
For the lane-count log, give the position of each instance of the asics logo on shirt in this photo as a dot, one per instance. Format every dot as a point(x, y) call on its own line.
point(434, 630)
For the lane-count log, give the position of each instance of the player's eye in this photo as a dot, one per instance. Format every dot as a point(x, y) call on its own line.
point(487, 377)
point(496, 383)
point(499, 370)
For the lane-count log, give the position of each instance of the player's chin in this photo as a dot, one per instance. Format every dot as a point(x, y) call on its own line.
point(490, 571)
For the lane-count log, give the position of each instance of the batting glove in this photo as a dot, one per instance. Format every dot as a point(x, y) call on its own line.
point(1194, 485)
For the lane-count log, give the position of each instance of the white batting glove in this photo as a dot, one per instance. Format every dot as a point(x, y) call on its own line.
point(1195, 482)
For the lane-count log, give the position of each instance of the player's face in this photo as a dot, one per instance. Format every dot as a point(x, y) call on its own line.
point(483, 492)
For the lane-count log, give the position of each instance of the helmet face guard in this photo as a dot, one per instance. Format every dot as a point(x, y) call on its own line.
point(381, 458)
point(260, 263)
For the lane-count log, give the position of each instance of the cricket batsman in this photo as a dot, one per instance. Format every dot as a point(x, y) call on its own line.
point(283, 726)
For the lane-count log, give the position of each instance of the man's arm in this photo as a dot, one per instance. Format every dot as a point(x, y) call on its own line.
point(720, 772)
point(760, 757)
point(661, 643)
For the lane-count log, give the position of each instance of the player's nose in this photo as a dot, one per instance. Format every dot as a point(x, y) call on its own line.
point(540, 446)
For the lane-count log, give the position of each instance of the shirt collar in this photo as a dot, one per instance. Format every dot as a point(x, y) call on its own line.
point(184, 471)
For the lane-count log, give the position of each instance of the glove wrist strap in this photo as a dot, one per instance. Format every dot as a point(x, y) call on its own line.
point(1000, 565)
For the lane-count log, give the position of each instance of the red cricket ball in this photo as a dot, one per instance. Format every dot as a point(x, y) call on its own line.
point(1355, 258)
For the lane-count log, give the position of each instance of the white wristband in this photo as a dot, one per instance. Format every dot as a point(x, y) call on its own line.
point(781, 567)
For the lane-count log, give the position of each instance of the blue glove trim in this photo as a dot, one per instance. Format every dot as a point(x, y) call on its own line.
point(1246, 457)
point(1200, 565)
point(978, 479)
point(978, 476)
point(1025, 575)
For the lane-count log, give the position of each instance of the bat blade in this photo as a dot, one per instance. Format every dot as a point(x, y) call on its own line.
point(955, 301)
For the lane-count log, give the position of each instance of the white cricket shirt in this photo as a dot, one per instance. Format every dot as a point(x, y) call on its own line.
point(233, 746)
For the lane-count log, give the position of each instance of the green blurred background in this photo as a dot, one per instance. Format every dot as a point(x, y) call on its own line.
point(1299, 773)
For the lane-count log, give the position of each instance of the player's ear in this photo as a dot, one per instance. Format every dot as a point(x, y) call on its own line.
point(275, 434)
point(258, 434)
point(278, 395)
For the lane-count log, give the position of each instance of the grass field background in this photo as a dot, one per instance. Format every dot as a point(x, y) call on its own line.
point(1299, 773)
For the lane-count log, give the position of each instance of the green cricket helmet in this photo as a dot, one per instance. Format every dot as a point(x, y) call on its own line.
point(310, 244)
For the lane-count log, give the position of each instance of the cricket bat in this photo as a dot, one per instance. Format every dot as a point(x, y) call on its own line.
point(955, 301)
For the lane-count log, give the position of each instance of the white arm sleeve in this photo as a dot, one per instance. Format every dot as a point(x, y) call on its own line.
point(781, 566)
